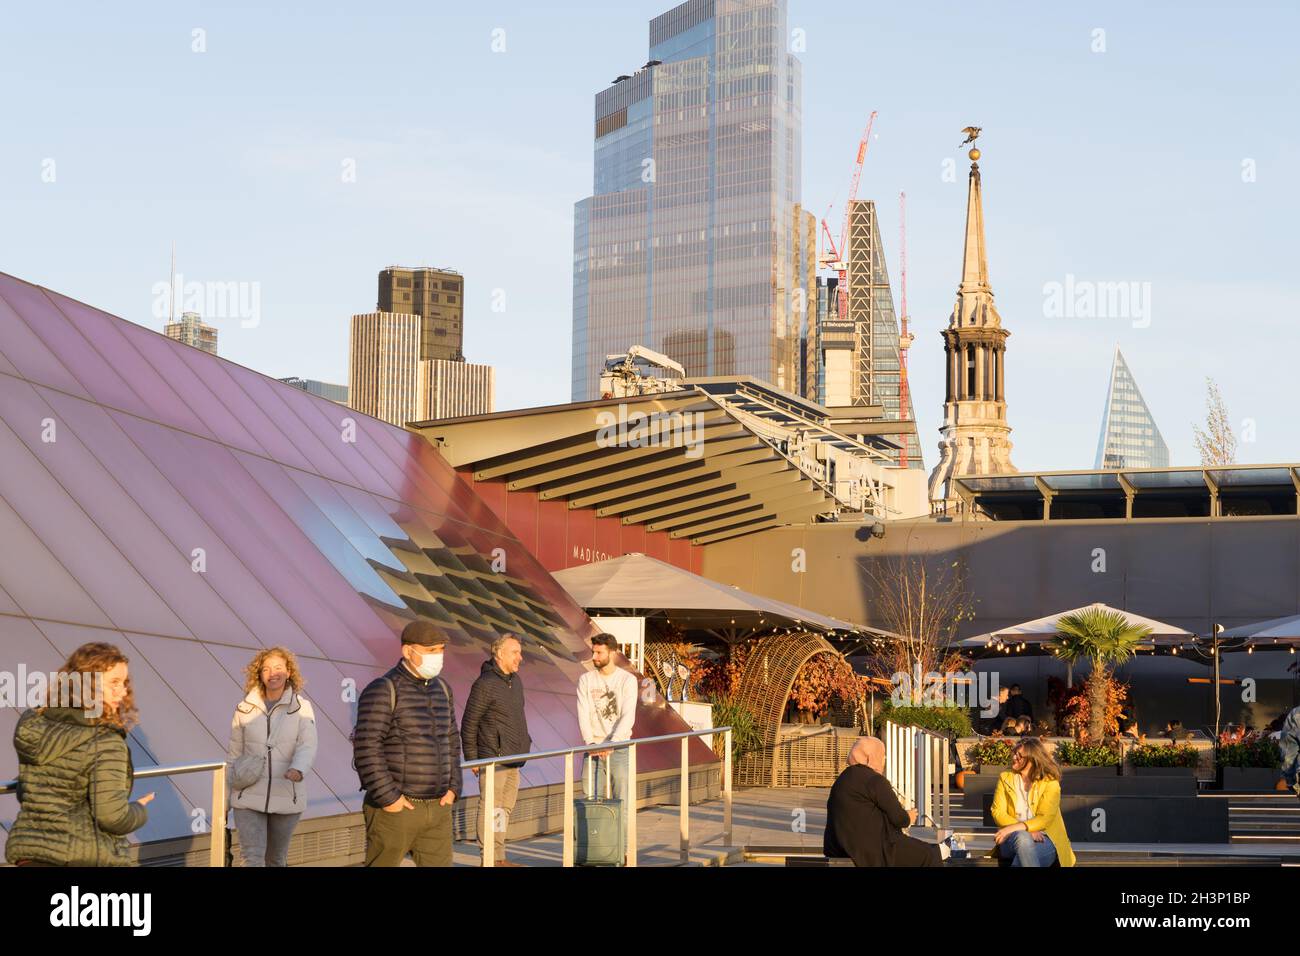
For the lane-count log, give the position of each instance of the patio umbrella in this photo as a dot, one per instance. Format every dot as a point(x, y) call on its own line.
point(1278, 630)
point(1044, 630)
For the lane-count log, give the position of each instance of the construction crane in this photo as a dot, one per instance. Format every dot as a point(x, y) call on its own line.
point(835, 257)
point(904, 337)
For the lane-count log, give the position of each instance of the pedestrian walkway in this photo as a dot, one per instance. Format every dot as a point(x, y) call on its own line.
point(770, 825)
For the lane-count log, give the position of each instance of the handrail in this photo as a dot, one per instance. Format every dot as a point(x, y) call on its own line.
point(217, 824)
point(916, 765)
point(487, 790)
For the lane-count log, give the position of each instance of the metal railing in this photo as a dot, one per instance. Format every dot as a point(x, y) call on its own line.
point(917, 766)
point(217, 822)
point(487, 791)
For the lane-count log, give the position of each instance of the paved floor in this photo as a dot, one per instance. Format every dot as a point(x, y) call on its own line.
point(759, 817)
point(794, 819)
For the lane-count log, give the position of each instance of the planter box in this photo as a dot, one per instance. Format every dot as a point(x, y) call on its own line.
point(992, 769)
point(1107, 770)
point(1249, 778)
point(1162, 771)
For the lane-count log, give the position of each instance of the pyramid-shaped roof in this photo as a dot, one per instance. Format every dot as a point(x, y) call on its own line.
point(192, 511)
point(1129, 435)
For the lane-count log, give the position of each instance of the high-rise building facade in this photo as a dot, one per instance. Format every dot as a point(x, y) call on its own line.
point(191, 330)
point(388, 379)
point(1129, 435)
point(976, 436)
point(435, 295)
point(876, 374)
point(384, 376)
point(455, 389)
point(694, 242)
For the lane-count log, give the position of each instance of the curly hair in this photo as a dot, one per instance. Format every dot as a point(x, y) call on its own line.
point(96, 658)
point(253, 672)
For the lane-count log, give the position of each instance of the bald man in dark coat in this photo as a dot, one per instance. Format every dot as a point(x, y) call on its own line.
point(865, 821)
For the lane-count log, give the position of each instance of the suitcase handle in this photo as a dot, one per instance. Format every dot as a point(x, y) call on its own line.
point(592, 763)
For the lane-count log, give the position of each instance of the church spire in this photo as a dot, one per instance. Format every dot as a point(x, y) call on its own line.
point(975, 266)
point(975, 295)
point(976, 437)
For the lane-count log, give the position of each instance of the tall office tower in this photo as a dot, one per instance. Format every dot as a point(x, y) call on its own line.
point(876, 366)
point(435, 295)
point(191, 330)
point(976, 437)
point(694, 242)
point(384, 375)
point(1129, 436)
point(335, 393)
point(388, 379)
point(456, 389)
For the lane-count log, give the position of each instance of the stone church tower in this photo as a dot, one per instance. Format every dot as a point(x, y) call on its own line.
point(976, 437)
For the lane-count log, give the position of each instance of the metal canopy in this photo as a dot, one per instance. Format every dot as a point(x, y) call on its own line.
point(679, 462)
point(1218, 491)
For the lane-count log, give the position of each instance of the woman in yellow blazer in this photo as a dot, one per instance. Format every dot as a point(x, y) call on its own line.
point(1027, 808)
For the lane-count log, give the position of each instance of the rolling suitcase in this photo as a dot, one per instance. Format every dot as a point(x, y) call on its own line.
point(598, 827)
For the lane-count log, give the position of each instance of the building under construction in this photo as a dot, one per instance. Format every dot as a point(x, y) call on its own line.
point(854, 346)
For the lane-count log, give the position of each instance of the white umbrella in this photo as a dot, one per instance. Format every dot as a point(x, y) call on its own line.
point(1276, 630)
point(1044, 629)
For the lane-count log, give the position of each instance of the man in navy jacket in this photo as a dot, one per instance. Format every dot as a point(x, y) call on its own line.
point(406, 748)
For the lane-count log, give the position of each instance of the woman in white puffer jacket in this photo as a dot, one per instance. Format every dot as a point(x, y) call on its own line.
point(272, 747)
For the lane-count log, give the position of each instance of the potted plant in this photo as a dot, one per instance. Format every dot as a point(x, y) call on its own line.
point(1163, 759)
point(992, 755)
point(1104, 637)
point(1248, 761)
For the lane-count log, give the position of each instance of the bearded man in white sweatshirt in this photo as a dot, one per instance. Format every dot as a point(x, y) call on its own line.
point(606, 712)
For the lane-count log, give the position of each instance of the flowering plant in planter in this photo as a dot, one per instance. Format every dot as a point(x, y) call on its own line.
point(1163, 755)
point(1072, 754)
point(1249, 750)
point(992, 753)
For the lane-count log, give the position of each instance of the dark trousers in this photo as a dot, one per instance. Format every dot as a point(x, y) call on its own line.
point(909, 851)
point(424, 832)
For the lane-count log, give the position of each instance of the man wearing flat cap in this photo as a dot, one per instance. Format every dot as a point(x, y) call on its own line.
point(406, 748)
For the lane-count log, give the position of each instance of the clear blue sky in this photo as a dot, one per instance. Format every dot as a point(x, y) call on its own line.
point(1119, 166)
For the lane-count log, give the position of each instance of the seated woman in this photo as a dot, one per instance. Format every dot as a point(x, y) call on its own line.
point(1011, 727)
point(1027, 808)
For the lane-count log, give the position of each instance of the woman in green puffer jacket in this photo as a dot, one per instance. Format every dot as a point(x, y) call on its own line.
point(74, 769)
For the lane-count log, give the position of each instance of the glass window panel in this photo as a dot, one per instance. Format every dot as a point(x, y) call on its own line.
point(264, 392)
point(192, 595)
point(147, 394)
point(40, 585)
point(325, 420)
point(24, 348)
point(127, 527)
point(164, 356)
point(235, 522)
point(216, 375)
point(321, 516)
point(81, 547)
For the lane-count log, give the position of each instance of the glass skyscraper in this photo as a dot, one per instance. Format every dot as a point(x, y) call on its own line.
point(694, 242)
point(1129, 436)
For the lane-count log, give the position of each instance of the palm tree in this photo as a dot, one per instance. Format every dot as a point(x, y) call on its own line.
point(1104, 637)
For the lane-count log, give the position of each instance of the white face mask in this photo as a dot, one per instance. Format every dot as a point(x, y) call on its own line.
point(430, 666)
